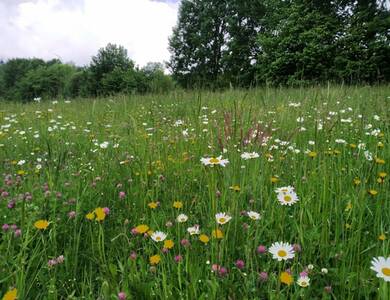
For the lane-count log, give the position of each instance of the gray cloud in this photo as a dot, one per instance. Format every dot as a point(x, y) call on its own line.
point(73, 30)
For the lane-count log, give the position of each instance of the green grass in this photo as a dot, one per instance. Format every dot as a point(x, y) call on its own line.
point(336, 223)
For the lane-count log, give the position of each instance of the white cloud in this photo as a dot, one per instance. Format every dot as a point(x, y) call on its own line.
point(74, 30)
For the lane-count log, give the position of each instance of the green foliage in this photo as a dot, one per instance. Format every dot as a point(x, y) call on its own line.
point(111, 72)
point(50, 81)
point(242, 43)
point(68, 160)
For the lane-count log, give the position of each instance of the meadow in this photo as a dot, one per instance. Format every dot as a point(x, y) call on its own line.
point(257, 194)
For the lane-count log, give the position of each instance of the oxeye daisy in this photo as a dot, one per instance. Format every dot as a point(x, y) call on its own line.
point(281, 251)
point(182, 218)
point(253, 215)
point(288, 198)
point(222, 218)
point(248, 155)
point(158, 236)
point(212, 161)
point(381, 266)
point(285, 189)
point(193, 230)
point(303, 281)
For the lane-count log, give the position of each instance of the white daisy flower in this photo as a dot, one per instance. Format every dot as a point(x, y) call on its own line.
point(211, 161)
point(247, 155)
point(182, 218)
point(158, 236)
point(253, 215)
point(381, 266)
point(222, 218)
point(288, 198)
point(285, 189)
point(193, 230)
point(281, 251)
point(303, 281)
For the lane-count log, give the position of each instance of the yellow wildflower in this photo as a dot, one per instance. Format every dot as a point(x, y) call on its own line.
point(177, 204)
point(142, 228)
point(90, 216)
point(155, 259)
point(217, 234)
point(41, 224)
point(153, 205)
point(235, 188)
point(204, 238)
point(11, 295)
point(100, 214)
point(286, 278)
point(168, 244)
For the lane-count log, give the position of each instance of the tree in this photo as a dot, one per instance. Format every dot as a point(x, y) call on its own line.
point(112, 58)
point(46, 81)
point(197, 43)
point(297, 44)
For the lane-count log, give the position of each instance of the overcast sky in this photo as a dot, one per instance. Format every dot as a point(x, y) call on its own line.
point(73, 30)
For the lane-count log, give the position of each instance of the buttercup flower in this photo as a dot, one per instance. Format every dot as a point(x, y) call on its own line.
point(41, 224)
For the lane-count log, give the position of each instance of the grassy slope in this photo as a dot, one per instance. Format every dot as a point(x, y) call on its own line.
point(336, 223)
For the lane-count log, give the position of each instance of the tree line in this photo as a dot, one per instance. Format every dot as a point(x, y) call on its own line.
point(111, 71)
point(229, 43)
point(280, 42)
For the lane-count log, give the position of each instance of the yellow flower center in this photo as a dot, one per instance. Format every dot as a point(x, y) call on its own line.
point(287, 198)
point(282, 253)
point(303, 283)
point(386, 271)
point(222, 220)
point(158, 238)
point(214, 160)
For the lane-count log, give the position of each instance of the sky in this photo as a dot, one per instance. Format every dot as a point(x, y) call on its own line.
point(74, 30)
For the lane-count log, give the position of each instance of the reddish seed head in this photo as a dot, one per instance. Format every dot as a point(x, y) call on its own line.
point(328, 289)
point(72, 214)
point(121, 296)
point(222, 271)
point(106, 210)
point(133, 255)
point(263, 276)
point(5, 227)
point(18, 233)
point(178, 258)
point(297, 247)
point(122, 195)
point(261, 249)
point(215, 267)
point(185, 242)
point(240, 264)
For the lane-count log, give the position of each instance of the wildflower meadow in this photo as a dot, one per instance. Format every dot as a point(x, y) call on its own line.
point(253, 194)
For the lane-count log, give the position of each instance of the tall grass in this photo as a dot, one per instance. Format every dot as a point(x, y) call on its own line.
point(56, 166)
